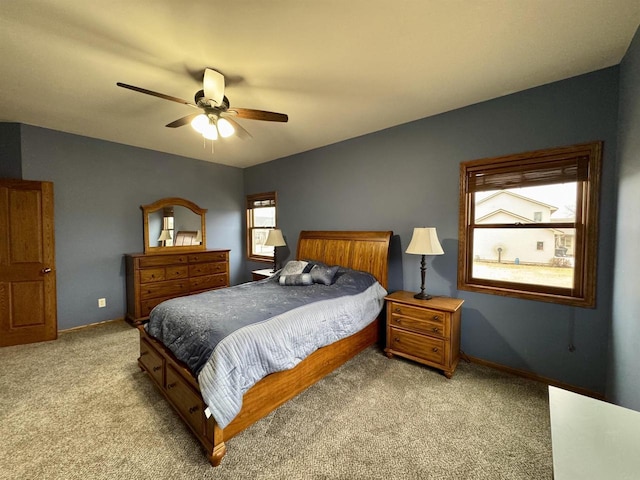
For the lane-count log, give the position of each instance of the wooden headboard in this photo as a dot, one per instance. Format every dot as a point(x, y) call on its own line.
point(360, 250)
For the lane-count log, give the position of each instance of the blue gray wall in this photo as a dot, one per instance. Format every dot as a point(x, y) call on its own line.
point(10, 151)
point(624, 377)
point(98, 188)
point(407, 176)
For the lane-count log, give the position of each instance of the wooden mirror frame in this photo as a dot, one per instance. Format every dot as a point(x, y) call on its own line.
point(172, 202)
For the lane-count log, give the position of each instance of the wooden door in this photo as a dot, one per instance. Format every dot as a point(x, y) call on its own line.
point(27, 263)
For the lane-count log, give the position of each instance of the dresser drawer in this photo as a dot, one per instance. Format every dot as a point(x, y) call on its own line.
point(207, 282)
point(147, 305)
point(206, 269)
point(188, 402)
point(160, 260)
point(207, 257)
point(164, 289)
point(152, 362)
point(426, 348)
point(432, 316)
point(152, 275)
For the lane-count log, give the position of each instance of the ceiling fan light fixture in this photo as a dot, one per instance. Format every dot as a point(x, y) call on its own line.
point(225, 128)
point(210, 132)
point(200, 123)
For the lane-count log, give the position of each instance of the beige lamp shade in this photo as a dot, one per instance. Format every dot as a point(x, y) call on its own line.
point(275, 238)
point(425, 242)
point(164, 235)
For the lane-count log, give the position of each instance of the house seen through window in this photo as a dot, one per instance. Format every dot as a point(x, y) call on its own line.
point(529, 225)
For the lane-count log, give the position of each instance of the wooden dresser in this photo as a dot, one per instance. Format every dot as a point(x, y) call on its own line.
point(426, 331)
point(154, 278)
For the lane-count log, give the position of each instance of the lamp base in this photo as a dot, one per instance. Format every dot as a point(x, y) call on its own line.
point(422, 296)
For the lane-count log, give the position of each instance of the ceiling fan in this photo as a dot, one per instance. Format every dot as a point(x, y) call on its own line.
point(216, 116)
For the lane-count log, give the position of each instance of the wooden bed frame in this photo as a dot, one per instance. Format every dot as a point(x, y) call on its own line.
point(361, 250)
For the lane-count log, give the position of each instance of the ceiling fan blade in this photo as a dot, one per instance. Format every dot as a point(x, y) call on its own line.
point(240, 130)
point(251, 114)
point(182, 121)
point(213, 85)
point(155, 94)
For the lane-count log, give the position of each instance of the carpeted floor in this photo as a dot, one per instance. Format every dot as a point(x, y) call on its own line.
point(80, 408)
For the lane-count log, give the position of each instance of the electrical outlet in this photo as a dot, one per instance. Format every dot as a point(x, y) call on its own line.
point(102, 302)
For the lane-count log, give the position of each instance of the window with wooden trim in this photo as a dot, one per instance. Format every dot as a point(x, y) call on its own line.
point(261, 217)
point(547, 199)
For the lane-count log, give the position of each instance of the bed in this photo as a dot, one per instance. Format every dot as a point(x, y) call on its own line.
point(358, 250)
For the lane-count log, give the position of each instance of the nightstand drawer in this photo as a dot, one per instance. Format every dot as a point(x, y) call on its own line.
point(433, 316)
point(420, 326)
point(427, 348)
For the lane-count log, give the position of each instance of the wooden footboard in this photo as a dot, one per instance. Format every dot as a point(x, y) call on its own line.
point(182, 391)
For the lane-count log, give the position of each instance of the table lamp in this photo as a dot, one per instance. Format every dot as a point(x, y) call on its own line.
point(275, 240)
point(424, 242)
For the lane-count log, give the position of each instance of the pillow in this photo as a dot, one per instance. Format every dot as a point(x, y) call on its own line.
point(293, 267)
point(297, 279)
point(324, 274)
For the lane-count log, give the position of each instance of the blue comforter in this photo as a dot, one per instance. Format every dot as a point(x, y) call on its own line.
point(231, 338)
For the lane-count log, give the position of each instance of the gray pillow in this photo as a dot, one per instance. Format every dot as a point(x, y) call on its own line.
point(293, 267)
point(297, 279)
point(323, 274)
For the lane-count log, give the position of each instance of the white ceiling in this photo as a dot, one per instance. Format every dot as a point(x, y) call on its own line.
point(338, 68)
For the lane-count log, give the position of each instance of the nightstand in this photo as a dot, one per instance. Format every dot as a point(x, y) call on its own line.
point(260, 274)
point(426, 331)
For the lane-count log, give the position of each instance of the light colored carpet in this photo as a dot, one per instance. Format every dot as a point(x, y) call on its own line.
point(80, 408)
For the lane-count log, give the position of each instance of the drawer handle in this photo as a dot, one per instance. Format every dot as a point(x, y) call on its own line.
point(435, 349)
point(155, 369)
point(436, 317)
point(436, 329)
point(171, 385)
point(397, 310)
point(192, 410)
point(398, 320)
point(397, 340)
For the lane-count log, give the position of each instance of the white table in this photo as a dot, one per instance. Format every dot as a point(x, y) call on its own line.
point(592, 439)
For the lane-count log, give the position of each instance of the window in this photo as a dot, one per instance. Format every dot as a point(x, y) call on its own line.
point(543, 197)
point(261, 217)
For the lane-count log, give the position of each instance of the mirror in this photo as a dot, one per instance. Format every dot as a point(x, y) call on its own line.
point(173, 225)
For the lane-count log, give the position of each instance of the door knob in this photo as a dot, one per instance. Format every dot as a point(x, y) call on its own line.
point(46, 270)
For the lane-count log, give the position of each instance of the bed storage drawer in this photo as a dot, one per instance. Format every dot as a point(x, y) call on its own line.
point(186, 400)
point(154, 278)
point(152, 362)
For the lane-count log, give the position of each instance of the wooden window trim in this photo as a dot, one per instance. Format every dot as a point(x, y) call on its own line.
point(583, 293)
point(250, 204)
